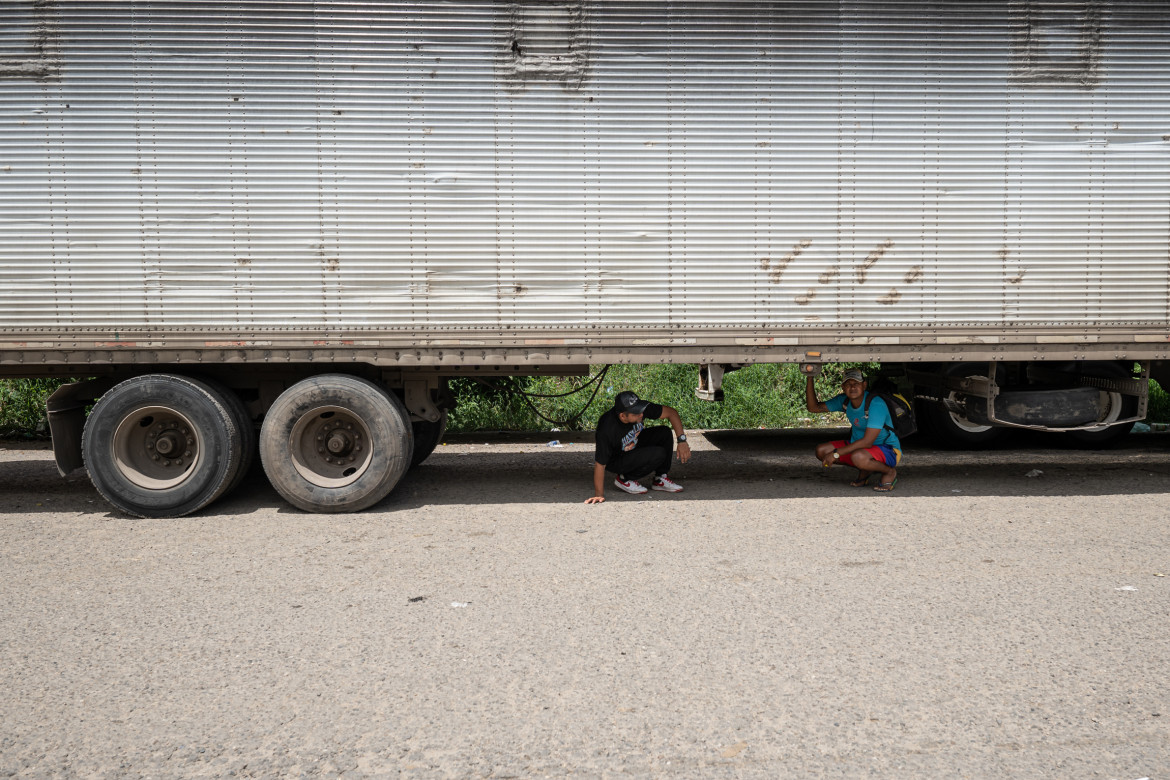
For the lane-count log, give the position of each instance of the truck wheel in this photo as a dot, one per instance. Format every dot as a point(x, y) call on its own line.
point(955, 432)
point(335, 443)
point(427, 436)
point(161, 445)
point(1120, 406)
point(244, 423)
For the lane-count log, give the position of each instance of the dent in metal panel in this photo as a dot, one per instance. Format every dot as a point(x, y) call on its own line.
point(28, 40)
point(1057, 43)
point(543, 43)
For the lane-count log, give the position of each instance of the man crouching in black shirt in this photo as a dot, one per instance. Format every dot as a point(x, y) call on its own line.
point(632, 451)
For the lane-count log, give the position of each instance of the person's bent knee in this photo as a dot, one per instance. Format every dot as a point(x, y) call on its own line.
point(657, 436)
point(863, 460)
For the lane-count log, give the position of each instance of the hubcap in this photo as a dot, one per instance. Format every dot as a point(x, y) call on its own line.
point(330, 447)
point(156, 447)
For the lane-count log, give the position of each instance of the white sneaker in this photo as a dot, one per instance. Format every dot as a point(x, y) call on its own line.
point(666, 483)
point(630, 486)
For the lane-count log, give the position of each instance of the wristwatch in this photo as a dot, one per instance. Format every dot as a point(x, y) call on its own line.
point(836, 455)
point(682, 437)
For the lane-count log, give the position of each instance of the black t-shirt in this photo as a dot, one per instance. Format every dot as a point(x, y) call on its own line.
point(615, 436)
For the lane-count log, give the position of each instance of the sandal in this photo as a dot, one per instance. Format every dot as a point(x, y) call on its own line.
point(885, 487)
point(861, 481)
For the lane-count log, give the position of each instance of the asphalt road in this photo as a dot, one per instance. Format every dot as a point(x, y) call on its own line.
point(770, 621)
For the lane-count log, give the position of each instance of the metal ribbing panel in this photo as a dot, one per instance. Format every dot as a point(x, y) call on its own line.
point(365, 167)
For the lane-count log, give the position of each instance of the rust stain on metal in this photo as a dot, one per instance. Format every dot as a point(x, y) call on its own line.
point(105, 344)
point(332, 264)
point(340, 343)
point(1018, 277)
point(829, 275)
point(243, 262)
point(806, 298)
point(913, 275)
point(890, 298)
point(775, 270)
point(1003, 253)
point(872, 258)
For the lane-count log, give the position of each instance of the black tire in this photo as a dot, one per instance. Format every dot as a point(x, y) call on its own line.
point(1111, 434)
point(952, 432)
point(1103, 437)
point(245, 424)
point(335, 443)
point(427, 436)
point(1120, 407)
point(161, 445)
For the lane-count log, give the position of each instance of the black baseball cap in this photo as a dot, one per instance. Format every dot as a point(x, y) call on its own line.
point(628, 401)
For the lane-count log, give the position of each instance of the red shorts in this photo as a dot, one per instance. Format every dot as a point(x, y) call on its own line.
point(879, 452)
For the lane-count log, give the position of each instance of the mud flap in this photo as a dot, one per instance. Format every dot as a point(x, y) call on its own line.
point(66, 412)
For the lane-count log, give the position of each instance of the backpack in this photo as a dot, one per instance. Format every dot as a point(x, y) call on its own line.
point(901, 412)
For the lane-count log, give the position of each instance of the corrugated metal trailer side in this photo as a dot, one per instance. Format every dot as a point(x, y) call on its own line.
point(417, 190)
point(428, 175)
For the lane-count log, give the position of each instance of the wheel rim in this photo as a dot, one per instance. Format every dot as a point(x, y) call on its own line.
point(963, 422)
point(330, 447)
point(156, 448)
point(967, 425)
point(1112, 416)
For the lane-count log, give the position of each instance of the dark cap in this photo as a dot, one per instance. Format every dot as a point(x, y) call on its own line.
point(628, 401)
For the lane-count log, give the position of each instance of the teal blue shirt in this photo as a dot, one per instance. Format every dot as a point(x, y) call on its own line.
point(879, 417)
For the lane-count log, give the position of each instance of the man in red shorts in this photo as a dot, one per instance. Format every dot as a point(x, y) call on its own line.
point(873, 447)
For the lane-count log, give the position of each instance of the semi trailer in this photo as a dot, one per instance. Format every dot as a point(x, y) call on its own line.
point(283, 225)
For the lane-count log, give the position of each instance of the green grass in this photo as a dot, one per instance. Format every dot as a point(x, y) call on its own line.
point(1158, 410)
point(22, 407)
point(769, 395)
